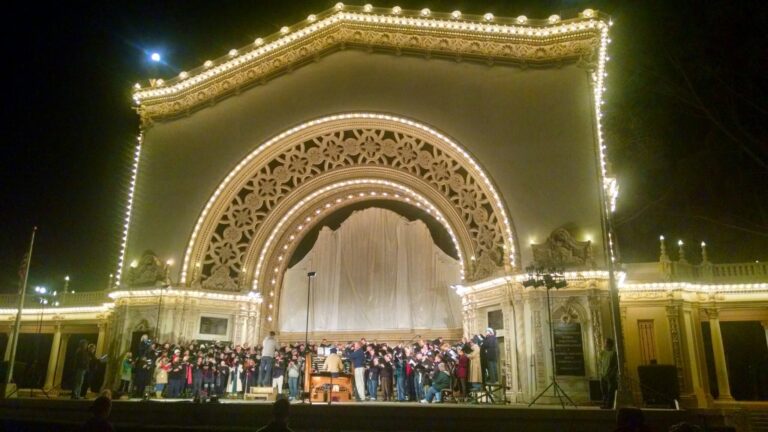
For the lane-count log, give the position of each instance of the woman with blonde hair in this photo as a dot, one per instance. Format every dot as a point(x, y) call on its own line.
point(161, 376)
point(475, 368)
point(126, 370)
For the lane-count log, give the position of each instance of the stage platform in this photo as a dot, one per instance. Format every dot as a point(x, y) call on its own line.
point(181, 415)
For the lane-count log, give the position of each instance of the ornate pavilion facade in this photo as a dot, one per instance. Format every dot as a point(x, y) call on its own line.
point(486, 127)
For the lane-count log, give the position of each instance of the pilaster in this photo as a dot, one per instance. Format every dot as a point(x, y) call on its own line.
point(721, 368)
point(673, 318)
point(53, 358)
point(59, 373)
point(101, 340)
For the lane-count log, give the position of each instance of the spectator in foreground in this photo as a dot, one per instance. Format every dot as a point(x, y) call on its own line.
point(279, 417)
point(100, 409)
point(631, 420)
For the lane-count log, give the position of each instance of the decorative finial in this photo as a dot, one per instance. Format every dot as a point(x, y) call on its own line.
point(681, 251)
point(663, 257)
point(704, 257)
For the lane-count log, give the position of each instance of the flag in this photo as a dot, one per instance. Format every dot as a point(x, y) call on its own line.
point(23, 268)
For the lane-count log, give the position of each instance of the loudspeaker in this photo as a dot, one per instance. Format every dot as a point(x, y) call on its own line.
point(658, 384)
point(595, 392)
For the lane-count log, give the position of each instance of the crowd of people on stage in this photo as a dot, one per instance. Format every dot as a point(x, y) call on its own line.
point(414, 371)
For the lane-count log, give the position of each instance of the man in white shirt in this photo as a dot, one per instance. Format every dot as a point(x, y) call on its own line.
point(267, 358)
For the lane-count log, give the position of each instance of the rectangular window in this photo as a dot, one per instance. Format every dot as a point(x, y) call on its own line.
point(647, 341)
point(496, 320)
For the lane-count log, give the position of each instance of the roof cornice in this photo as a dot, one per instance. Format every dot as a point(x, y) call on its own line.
point(486, 38)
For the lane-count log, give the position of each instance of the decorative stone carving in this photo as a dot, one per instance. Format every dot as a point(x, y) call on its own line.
point(148, 272)
point(597, 322)
point(562, 250)
point(222, 263)
point(541, 356)
point(673, 316)
point(580, 46)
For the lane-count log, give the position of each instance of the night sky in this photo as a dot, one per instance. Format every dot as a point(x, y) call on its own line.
point(685, 121)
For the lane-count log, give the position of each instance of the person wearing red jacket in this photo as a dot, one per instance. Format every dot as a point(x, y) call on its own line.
point(462, 370)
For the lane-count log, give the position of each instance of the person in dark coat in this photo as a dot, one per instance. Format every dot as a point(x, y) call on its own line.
point(101, 408)
point(609, 373)
point(175, 379)
point(491, 351)
point(279, 421)
point(142, 375)
point(441, 382)
point(82, 362)
point(385, 374)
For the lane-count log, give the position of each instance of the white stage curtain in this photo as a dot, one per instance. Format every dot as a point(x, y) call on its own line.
point(377, 271)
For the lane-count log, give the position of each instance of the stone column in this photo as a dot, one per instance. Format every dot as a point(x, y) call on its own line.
point(53, 357)
point(59, 373)
point(721, 369)
point(765, 329)
point(7, 355)
point(101, 339)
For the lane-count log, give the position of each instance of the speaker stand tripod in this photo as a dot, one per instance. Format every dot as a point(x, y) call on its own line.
point(558, 391)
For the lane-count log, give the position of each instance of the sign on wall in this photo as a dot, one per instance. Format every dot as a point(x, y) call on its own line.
point(213, 326)
point(569, 349)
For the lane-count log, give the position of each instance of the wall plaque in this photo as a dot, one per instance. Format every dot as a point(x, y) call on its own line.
point(569, 349)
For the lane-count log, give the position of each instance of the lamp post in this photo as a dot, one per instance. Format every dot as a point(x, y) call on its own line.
point(310, 275)
point(166, 284)
point(44, 297)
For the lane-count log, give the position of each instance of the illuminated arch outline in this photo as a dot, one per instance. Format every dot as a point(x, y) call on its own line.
point(430, 154)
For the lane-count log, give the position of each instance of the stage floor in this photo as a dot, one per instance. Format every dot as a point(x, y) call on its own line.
point(25, 414)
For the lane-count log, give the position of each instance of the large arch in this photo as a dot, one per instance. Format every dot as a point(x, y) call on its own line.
point(229, 244)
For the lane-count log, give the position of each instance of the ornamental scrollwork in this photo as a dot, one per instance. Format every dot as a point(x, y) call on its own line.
point(223, 260)
point(579, 47)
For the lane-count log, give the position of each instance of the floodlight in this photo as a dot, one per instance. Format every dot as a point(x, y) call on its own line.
point(155, 57)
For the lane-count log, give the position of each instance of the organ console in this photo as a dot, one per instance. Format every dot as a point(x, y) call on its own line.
point(321, 386)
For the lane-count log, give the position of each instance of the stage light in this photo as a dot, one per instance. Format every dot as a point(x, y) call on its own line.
point(155, 57)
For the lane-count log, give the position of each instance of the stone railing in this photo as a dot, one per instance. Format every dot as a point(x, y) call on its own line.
point(92, 298)
point(740, 272)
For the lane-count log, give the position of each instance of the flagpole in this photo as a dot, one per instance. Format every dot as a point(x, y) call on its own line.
point(17, 327)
